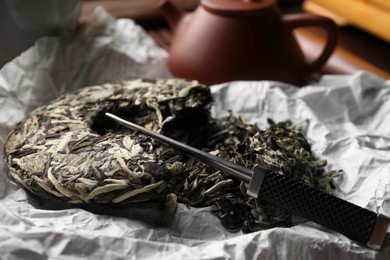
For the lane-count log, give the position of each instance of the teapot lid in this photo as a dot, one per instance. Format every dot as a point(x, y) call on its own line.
point(238, 7)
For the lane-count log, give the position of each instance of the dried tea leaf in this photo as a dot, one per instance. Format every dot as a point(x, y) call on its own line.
point(69, 151)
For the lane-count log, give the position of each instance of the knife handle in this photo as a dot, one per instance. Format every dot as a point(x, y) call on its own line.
point(357, 223)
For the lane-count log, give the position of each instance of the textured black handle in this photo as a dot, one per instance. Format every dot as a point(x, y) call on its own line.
point(346, 218)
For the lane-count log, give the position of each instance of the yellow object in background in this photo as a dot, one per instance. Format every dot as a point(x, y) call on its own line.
point(372, 16)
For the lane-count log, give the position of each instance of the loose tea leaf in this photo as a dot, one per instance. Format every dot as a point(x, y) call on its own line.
point(280, 147)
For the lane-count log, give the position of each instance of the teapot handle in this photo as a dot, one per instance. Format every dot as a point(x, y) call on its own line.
point(293, 21)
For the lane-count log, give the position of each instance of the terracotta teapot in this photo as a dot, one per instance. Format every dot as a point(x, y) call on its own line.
point(227, 40)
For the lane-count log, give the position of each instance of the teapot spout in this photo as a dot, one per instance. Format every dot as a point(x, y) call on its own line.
point(171, 13)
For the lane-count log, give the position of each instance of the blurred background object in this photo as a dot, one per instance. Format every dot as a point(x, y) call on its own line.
point(24, 21)
point(233, 40)
point(144, 12)
point(357, 49)
point(364, 41)
point(372, 16)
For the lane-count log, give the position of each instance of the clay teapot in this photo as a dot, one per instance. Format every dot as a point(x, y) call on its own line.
point(227, 40)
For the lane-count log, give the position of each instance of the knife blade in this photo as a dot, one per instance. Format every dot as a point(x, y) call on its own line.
point(357, 223)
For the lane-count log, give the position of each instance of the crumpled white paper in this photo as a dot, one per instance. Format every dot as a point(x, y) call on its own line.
point(345, 118)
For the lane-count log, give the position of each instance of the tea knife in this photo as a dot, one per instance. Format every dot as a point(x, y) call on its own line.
point(357, 223)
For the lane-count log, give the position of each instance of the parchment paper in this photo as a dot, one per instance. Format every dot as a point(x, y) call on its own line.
point(345, 118)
